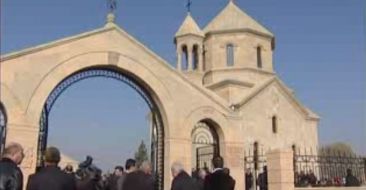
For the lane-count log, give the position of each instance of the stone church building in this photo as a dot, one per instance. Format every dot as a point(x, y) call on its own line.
point(222, 98)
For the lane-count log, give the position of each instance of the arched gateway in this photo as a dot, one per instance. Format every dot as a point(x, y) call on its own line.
point(157, 143)
point(224, 108)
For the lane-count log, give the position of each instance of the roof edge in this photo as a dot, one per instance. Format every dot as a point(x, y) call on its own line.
point(189, 34)
point(54, 43)
point(231, 3)
point(309, 115)
point(229, 81)
point(61, 41)
point(241, 30)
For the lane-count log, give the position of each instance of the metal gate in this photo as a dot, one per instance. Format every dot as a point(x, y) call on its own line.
point(204, 157)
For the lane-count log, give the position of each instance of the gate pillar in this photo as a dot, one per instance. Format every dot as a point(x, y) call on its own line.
point(280, 170)
point(177, 150)
point(234, 160)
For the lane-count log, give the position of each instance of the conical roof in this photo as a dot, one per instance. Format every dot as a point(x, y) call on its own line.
point(189, 26)
point(233, 18)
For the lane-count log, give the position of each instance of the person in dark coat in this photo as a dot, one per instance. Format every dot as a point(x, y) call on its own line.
point(51, 176)
point(11, 177)
point(130, 167)
point(149, 180)
point(182, 181)
point(248, 179)
point(138, 180)
point(201, 178)
point(219, 179)
point(89, 176)
point(263, 179)
point(312, 178)
point(351, 180)
point(113, 180)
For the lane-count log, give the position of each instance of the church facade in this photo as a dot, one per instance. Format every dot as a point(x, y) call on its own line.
point(222, 98)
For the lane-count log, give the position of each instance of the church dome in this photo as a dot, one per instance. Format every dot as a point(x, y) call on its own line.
point(189, 27)
point(232, 18)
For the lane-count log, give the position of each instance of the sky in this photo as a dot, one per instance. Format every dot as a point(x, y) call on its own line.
point(108, 126)
point(320, 53)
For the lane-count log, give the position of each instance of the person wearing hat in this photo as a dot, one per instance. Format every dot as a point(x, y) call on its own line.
point(51, 176)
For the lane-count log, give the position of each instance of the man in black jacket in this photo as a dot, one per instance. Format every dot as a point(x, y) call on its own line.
point(51, 176)
point(219, 179)
point(138, 180)
point(11, 177)
point(112, 183)
point(351, 180)
point(182, 181)
point(130, 167)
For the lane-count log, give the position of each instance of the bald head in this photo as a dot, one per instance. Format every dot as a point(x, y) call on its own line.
point(146, 167)
point(15, 152)
point(177, 167)
point(202, 173)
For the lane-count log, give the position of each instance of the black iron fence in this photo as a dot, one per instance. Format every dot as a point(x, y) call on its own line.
point(254, 163)
point(327, 169)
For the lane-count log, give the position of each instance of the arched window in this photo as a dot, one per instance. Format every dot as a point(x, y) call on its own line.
point(274, 124)
point(205, 144)
point(204, 67)
point(195, 57)
point(259, 57)
point(184, 57)
point(2, 128)
point(230, 55)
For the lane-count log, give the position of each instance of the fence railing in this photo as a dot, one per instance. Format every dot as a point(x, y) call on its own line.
point(327, 169)
point(254, 162)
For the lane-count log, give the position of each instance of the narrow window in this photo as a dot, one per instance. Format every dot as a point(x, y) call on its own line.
point(230, 55)
point(255, 155)
point(184, 57)
point(259, 57)
point(195, 57)
point(204, 59)
point(274, 124)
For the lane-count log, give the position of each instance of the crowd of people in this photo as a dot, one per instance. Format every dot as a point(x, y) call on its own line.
point(90, 177)
point(302, 179)
point(136, 177)
point(309, 179)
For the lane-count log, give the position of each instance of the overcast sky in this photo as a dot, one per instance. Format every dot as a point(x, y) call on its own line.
point(320, 53)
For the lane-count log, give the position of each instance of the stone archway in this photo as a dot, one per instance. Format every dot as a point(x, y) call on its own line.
point(157, 151)
point(136, 72)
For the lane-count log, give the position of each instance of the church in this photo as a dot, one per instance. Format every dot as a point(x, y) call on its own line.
point(223, 96)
